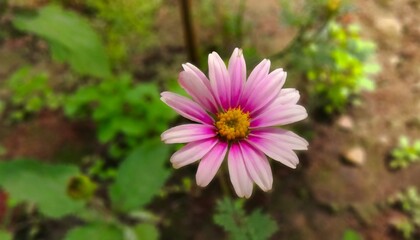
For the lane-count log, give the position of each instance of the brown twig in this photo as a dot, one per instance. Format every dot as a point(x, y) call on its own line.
point(189, 31)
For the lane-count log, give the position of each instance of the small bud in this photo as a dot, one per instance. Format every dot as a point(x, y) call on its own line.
point(81, 187)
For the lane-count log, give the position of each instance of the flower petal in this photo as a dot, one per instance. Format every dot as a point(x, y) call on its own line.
point(192, 152)
point(210, 163)
point(259, 73)
point(275, 150)
point(257, 165)
point(287, 96)
point(279, 115)
point(267, 90)
point(186, 107)
point(188, 133)
point(241, 181)
point(188, 67)
point(198, 89)
point(237, 72)
point(287, 138)
point(219, 80)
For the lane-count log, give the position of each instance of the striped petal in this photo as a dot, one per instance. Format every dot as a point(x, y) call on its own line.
point(210, 163)
point(186, 107)
point(241, 181)
point(188, 67)
point(192, 152)
point(237, 72)
point(279, 115)
point(267, 90)
point(219, 80)
point(198, 88)
point(188, 133)
point(257, 166)
point(287, 138)
point(259, 73)
point(287, 96)
point(274, 150)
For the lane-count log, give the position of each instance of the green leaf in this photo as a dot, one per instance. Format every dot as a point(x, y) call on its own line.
point(95, 231)
point(366, 84)
point(70, 37)
point(146, 231)
point(351, 235)
point(231, 216)
point(260, 225)
point(372, 68)
point(42, 184)
point(5, 235)
point(140, 176)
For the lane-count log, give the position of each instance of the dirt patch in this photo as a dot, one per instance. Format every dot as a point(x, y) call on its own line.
point(50, 137)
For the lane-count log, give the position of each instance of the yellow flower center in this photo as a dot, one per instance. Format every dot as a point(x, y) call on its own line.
point(233, 124)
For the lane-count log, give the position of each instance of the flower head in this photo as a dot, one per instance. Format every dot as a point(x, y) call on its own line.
point(235, 117)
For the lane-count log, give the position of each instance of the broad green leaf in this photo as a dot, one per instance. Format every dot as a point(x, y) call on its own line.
point(140, 176)
point(351, 235)
point(70, 37)
point(146, 231)
point(99, 231)
point(39, 183)
point(5, 235)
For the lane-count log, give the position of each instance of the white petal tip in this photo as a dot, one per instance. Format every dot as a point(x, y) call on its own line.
point(175, 166)
point(201, 184)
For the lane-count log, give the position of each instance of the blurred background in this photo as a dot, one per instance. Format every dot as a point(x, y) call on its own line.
point(80, 119)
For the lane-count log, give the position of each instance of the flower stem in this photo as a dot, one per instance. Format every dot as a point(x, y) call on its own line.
point(223, 182)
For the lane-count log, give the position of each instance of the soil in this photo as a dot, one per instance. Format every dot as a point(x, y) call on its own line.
point(324, 196)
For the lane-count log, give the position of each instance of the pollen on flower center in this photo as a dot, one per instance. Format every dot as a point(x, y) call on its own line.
point(233, 124)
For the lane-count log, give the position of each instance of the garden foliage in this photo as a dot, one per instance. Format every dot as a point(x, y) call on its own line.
point(91, 43)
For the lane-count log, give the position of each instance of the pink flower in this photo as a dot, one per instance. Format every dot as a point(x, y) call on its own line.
point(237, 118)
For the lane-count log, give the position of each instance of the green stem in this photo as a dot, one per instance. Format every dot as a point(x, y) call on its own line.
point(223, 182)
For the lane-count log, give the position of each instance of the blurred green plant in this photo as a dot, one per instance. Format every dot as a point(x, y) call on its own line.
point(59, 190)
point(240, 226)
point(123, 23)
point(332, 56)
point(226, 18)
point(405, 153)
point(350, 234)
point(339, 66)
point(70, 38)
point(98, 169)
point(409, 201)
point(28, 91)
point(5, 235)
point(125, 112)
point(41, 184)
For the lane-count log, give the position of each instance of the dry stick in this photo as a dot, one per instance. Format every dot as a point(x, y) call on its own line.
point(189, 33)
